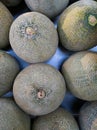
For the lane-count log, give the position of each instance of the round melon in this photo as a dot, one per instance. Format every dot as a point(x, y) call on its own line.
point(33, 37)
point(50, 8)
point(11, 2)
point(77, 26)
point(9, 68)
point(6, 20)
point(88, 116)
point(80, 73)
point(60, 119)
point(37, 87)
point(12, 117)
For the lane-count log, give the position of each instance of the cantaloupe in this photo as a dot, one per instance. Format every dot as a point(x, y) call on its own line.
point(6, 20)
point(9, 68)
point(80, 72)
point(77, 26)
point(57, 120)
point(33, 37)
point(12, 117)
point(88, 116)
point(50, 8)
point(39, 89)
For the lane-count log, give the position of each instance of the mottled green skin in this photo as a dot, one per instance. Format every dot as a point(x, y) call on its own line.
point(75, 31)
point(9, 68)
point(88, 116)
point(12, 117)
point(11, 2)
point(35, 77)
point(6, 20)
point(39, 46)
point(80, 72)
point(50, 8)
point(57, 120)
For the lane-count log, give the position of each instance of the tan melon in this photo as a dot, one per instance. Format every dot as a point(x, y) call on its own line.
point(60, 119)
point(50, 8)
point(12, 117)
point(80, 72)
point(37, 87)
point(9, 68)
point(6, 20)
point(33, 37)
point(88, 116)
point(77, 26)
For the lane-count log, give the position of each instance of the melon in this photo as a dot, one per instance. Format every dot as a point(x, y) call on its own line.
point(6, 20)
point(77, 26)
point(50, 8)
point(37, 87)
point(12, 117)
point(33, 37)
point(9, 68)
point(60, 119)
point(88, 116)
point(80, 73)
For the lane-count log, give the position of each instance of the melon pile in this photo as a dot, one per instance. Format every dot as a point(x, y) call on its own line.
point(48, 65)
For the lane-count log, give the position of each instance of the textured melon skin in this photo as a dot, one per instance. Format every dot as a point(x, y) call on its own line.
point(88, 116)
point(12, 117)
point(41, 44)
point(28, 83)
point(6, 20)
point(11, 2)
point(75, 29)
point(57, 120)
point(80, 72)
point(50, 8)
point(9, 68)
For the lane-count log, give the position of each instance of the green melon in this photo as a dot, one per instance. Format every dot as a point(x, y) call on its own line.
point(33, 37)
point(9, 68)
point(77, 26)
point(80, 72)
point(51, 8)
point(12, 117)
point(11, 2)
point(57, 120)
point(37, 87)
point(6, 20)
point(88, 116)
